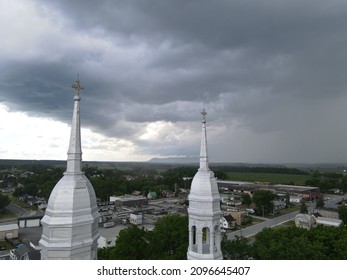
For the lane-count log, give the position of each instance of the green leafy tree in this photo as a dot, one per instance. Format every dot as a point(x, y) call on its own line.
point(169, 239)
point(246, 199)
point(236, 249)
point(303, 207)
point(292, 243)
point(132, 244)
point(320, 203)
point(287, 199)
point(343, 213)
point(4, 201)
point(18, 192)
point(104, 253)
point(289, 243)
point(263, 201)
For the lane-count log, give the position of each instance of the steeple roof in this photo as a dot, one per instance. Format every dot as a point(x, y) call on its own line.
point(203, 149)
point(74, 159)
point(204, 183)
point(70, 224)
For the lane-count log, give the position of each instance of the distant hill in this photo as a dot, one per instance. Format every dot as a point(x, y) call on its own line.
point(25, 162)
point(173, 162)
point(176, 160)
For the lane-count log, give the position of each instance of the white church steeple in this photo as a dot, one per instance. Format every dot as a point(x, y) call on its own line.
point(204, 209)
point(74, 154)
point(203, 149)
point(70, 225)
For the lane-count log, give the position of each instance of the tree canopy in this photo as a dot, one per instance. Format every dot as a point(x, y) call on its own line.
point(320, 202)
point(291, 243)
point(168, 241)
point(263, 201)
point(4, 201)
point(343, 213)
point(132, 244)
point(303, 207)
point(246, 199)
point(236, 249)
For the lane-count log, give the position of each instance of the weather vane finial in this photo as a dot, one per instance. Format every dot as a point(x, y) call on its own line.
point(77, 86)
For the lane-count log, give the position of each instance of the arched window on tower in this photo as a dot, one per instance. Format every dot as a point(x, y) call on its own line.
point(206, 240)
point(194, 245)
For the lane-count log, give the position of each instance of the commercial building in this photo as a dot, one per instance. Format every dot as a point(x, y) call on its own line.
point(129, 200)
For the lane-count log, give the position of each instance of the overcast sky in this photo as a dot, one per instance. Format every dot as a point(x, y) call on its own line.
point(271, 74)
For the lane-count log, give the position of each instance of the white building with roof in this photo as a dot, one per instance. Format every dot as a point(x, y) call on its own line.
point(204, 209)
point(70, 225)
point(303, 221)
point(136, 218)
point(331, 222)
point(9, 230)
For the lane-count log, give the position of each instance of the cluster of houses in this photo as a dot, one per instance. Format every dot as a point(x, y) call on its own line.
point(33, 201)
point(295, 192)
point(8, 179)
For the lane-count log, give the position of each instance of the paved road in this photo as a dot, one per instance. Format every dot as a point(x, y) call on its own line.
point(252, 230)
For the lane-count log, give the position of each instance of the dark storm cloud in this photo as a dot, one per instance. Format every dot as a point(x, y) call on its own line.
point(262, 63)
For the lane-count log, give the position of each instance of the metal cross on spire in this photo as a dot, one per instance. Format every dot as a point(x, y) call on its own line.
point(77, 86)
point(203, 113)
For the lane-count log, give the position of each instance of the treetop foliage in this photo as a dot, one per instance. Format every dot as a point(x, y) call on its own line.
point(263, 201)
point(290, 243)
point(168, 241)
point(4, 201)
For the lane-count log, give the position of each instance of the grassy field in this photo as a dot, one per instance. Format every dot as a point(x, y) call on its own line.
point(7, 215)
point(271, 178)
point(5, 245)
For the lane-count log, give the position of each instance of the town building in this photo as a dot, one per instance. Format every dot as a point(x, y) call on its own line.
point(328, 212)
point(30, 219)
point(304, 221)
point(129, 200)
point(204, 211)
point(152, 195)
point(304, 192)
point(239, 216)
point(70, 225)
point(227, 222)
point(8, 230)
point(330, 222)
point(136, 218)
point(21, 253)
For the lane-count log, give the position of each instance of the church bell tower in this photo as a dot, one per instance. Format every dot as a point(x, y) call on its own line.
point(204, 209)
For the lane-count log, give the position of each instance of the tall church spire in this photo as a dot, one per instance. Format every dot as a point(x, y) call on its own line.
point(203, 149)
point(70, 225)
point(74, 158)
point(204, 209)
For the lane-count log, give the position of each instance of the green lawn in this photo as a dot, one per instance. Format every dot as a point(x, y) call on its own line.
point(21, 203)
point(255, 220)
point(5, 245)
point(290, 209)
point(7, 215)
point(272, 178)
